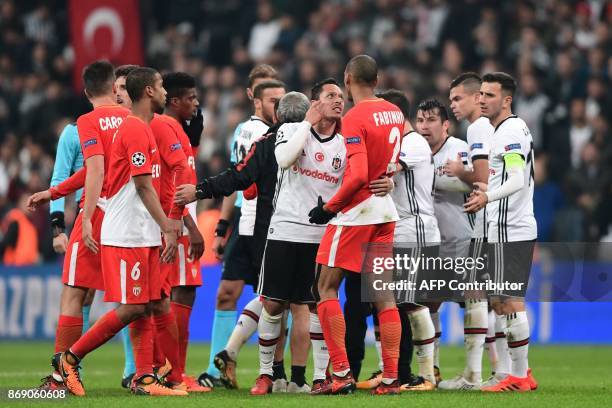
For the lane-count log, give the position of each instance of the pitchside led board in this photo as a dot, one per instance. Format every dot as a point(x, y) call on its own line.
point(29, 301)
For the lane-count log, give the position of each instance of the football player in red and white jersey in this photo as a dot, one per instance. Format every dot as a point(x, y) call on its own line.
point(82, 265)
point(372, 131)
point(183, 275)
point(131, 240)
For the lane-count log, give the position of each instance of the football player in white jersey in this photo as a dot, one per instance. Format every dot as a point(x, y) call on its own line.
point(415, 233)
point(311, 157)
point(512, 226)
point(242, 262)
point(464, 102)
point(450, 193)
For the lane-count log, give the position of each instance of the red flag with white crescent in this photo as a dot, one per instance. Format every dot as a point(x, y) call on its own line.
point(104, 29)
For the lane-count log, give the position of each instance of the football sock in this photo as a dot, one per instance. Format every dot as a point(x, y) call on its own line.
point(85, 311)
point(104, 329)
point(475, 325)
point(278, 369)
point(167, 333)
point(334, 330)
point(298, 375)
point(223, 324)
point(130, 366)
point(435, 318)
point(244, 329)
point(501, 344)
point(518, 342)
point(490, 342)
point(390, 336)
point(159, 359)
point(182, 314)
point(69, 329)
point(378, 347)
point(423, 337)
point(141, 334)
point(320, 355)
point(269, 328)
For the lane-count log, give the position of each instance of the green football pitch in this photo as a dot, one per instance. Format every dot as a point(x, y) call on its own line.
point(567, 375)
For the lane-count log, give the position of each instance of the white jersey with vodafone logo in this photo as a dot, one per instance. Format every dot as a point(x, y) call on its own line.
point(250, 131)
point(317, 172)
point(479, 134)
point(127, 223)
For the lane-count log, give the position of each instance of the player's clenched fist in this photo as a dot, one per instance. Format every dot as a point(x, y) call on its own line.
point(60, 243)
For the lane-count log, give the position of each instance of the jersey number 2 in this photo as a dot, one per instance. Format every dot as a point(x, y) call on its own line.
point(395, 138)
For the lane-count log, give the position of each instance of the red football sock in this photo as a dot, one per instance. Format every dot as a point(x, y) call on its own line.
point(141, 334)
point(390, 335)
point(334, 330)
point(182, 313)
point(159, 358)
point(101, 332)
point(68, 331)
point(167, 334)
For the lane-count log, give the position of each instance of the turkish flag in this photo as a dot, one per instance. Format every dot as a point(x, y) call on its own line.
point(104, 29)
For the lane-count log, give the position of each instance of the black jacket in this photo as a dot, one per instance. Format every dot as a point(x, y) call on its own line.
point(258, 166)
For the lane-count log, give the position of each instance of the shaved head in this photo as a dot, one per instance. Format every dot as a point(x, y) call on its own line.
point(363, 69)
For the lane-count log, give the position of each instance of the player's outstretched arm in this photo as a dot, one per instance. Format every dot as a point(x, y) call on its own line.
point(478, 174)
point(146, 192)
point(448, 183)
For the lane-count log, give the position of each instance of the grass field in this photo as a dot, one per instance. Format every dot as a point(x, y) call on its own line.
point(568, 376)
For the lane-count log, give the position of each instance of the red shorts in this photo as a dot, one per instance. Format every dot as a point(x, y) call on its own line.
point(82, 267)
point(344, 246)
point(131, 275)
point(186, 271)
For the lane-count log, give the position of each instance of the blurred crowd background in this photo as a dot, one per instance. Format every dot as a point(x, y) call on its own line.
point(558, 50)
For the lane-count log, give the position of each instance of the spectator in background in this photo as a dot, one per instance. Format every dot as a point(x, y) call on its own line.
point(264, 33)
point(580, 131)
point(531, 105)
point(548, 199)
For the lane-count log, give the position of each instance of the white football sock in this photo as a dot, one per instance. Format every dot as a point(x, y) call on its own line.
point(245, 327)
point(518, 342)
point(320, 355)
point(423, 337)
point(475, 321)
point(501, 344)
point(379, 353)
point(490, 342)
point(435, 318)
point(269, 328)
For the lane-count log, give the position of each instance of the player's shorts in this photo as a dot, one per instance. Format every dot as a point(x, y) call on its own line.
point(82, 268)
point(288, 271)
point(241, 261)
point(413, 292)
point(510, 264)
point(478, 250)
point(343, 246)
point(131, 275)
point(186, 271)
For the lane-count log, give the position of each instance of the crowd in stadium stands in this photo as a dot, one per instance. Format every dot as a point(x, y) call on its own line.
point(559, 50)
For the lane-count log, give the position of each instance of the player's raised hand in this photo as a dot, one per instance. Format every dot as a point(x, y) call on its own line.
point(38, 199)
point(314, 115)
point(477, 201)
point(382, 186)
point(185, 194)
point(60, 243)
point(88, 239)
